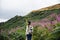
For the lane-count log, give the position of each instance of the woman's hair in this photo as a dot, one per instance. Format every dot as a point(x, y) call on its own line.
point(29, 22)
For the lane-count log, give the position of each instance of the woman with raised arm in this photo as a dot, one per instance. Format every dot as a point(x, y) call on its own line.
point(29, 30)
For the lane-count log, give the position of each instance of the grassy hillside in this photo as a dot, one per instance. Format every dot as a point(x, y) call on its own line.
point(13, 29)
point(10, 30)
point(42, 14)
point(34, 16)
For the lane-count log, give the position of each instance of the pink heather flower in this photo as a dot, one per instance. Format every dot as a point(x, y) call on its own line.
point(58, 18)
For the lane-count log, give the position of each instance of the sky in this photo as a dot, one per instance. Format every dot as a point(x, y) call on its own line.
point(10, 8)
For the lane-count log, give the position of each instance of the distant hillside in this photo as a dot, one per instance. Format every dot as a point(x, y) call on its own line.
point(44, 11)
point(13, 22)
point(33, 16)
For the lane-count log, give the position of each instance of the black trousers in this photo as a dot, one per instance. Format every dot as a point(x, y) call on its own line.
point(29, 36)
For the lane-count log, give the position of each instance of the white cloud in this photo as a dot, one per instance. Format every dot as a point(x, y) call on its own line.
point(3, 20)
point(34, 4)
point(26, 5)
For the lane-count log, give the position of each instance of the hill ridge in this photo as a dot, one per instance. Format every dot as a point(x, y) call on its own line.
point(56, 6)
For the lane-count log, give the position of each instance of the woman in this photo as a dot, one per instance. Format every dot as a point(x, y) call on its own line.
point(29, 30)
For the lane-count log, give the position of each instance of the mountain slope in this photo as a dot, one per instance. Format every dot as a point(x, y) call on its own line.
point(14, 28)
point(44, 12)
point(33, 16)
